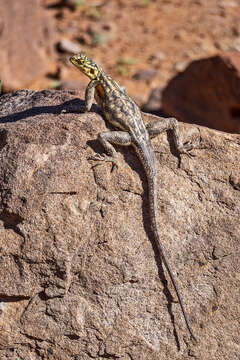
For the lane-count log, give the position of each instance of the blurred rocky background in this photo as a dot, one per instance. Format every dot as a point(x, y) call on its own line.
point(178, 58)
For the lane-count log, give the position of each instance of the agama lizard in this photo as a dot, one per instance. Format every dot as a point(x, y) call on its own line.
point(124, 114)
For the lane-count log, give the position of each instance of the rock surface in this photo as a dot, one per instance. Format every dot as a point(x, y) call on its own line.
point(207, 93)
point(79, 277)
point(26, 42)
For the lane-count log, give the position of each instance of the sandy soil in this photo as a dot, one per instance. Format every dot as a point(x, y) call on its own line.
point(131, 36)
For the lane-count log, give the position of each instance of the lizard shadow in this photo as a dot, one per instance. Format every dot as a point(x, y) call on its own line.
point(50, 109)
point(146, 223)
point(172, 147)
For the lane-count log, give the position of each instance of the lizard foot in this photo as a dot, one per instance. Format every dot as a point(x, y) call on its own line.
point(186, 148)
point(105, 158)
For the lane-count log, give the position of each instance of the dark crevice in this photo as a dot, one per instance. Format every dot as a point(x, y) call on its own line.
point(61, 4)
point(44, 297)
point(3, 138)
point(63, 192)
point(109, 356)
point(11, 221)
point(72, 336)
point(235, 111)
point(13, 298)
point(132, 192)
point(15, 229)
point(10, 218)
point(31, 337)
point(133, 281)
point(102, 213)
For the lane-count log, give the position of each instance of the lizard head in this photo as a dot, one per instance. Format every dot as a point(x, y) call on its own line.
point(85, 65)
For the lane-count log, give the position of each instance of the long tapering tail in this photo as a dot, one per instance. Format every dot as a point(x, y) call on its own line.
point(153, 217)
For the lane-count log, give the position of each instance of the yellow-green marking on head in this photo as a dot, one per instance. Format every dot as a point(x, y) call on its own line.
point(85, 65)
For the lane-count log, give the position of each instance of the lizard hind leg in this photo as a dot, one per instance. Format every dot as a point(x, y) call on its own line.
point(107, 138)
point(163, 124)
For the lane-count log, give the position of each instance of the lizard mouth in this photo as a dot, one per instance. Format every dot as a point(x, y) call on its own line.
point(73, 60)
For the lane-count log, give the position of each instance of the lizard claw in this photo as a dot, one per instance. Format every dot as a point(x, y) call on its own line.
point(186, 148)
point(97, 157)
point(105, 158)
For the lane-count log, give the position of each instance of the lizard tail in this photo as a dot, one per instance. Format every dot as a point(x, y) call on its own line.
point(153, 217)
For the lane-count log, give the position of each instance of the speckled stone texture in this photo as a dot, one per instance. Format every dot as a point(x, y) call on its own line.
point(80, 277)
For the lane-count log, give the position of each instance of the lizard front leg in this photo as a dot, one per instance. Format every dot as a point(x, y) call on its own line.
point(107, 138)
point(159, 126)
point(89, 99)
point(89, 94)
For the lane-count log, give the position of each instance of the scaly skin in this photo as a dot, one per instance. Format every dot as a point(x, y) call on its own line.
point(124, 114)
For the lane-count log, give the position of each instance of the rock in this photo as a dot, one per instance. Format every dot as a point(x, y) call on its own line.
point(79, 277)
point(207, 93)
point(236, 44)
point(157, 57)
point(180, 65)
point(145, 75)
point(154, 101)
point(68, 46)
point(26, 42)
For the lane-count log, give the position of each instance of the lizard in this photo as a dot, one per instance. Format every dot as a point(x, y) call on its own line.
point(125, 116)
